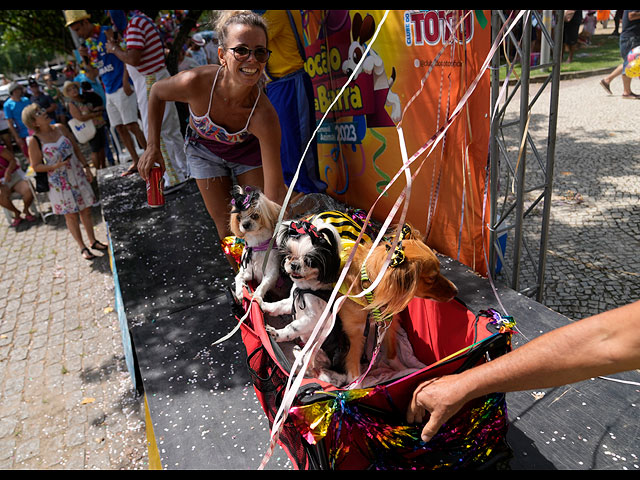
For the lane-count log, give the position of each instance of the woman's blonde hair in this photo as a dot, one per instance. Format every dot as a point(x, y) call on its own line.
point(29, 115)
point(237, 17)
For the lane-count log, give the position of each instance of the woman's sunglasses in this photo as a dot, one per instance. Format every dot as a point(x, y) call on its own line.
point(242, 53)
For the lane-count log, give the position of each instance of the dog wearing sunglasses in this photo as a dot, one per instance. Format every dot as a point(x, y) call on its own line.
point(254, 218)
point(414, 271)
point(311, 252)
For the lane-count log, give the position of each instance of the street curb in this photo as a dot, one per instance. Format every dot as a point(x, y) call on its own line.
point(570, 75)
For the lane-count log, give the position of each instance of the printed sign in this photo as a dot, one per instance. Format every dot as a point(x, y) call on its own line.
point(358, 145)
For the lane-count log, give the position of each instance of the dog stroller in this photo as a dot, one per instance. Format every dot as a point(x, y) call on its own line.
point(332, 428)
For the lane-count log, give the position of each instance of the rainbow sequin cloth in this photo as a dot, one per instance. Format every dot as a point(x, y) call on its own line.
point(356, 433)
point(346, 428)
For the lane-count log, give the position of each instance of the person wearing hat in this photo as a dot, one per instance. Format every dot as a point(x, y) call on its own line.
point(196, 49)
point(120, 99)
point(145, 61)
point(84, 111)
point(13, 108)
point(42, 99)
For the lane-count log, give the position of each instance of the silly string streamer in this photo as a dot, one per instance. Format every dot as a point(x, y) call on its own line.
point(310, 349)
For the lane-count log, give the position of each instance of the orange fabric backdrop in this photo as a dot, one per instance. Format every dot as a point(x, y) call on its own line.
point(358, 143)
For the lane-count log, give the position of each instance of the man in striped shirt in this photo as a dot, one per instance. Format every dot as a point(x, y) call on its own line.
point(145, 60)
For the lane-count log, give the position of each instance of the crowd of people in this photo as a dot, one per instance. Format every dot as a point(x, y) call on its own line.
point(116, 86)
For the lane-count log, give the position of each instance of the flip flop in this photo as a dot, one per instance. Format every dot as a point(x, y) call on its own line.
point(86, 254)
point(606, 87)
point(130, 171)
point(30, 218)
point(99, 246)
point(633, 96)
point(16, 221)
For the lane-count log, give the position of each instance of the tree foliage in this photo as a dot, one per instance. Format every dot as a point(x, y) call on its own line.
point(28, 38)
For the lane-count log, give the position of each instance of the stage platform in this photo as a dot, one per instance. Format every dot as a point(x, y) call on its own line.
point(171, 277)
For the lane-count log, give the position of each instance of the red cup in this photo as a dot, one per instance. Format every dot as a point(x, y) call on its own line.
point(155, 184)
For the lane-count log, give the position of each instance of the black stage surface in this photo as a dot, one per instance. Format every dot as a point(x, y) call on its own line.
point(172, 276)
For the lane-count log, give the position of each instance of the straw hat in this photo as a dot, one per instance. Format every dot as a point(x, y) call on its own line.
point(68, 84)
point(73, 16)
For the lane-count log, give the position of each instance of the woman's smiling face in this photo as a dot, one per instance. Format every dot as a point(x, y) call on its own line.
point(248, 70)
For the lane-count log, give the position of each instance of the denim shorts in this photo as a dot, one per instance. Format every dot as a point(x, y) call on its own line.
point(202, 163)
point(627, 43)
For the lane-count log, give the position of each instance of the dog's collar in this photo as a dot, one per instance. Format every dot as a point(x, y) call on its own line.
point(377, 314)
point(248, 252)
point(262, 247)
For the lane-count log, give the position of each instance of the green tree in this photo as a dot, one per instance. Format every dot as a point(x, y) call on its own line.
point(28, 38)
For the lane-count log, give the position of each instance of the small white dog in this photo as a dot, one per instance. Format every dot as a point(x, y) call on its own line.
point(254, 218)
point(311, 254)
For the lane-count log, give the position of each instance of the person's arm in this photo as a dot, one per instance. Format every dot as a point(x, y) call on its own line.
point(12, 128)
point(599, 345)
point(126, 83)
point(35, 158)
point(265, 125)
point(7, 153)
point(178, 88)
point(78, 115)
point(76, 149)
point(633, 15)
point(132, 56)
point(14, 132)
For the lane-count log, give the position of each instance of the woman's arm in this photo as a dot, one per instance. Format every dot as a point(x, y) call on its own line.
point(599, 345)
point(78, 115)
point(265, 125)
point(179, 88)
point(76, 149)
point(13, 165)
point(35, 157)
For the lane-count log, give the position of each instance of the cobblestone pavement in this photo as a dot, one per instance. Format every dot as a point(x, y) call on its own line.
point(594, 231)
point(66, 400)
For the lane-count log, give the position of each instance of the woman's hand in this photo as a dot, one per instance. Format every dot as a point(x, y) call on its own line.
point(64, 163)
point(151, 156)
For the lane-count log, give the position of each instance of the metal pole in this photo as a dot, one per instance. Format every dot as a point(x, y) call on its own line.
point(545, 48)
point(525, 60)
point(493, 145)
point(551, 151)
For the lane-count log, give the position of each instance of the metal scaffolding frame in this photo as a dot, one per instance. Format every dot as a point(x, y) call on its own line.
point(517, 187)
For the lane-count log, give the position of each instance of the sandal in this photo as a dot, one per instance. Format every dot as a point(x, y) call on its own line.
point(605, 85)
point(16, 221)
point(86, 254)
point(99, 246)
point(29, 218)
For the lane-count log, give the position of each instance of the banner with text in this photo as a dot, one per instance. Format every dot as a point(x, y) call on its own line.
point(358, 144)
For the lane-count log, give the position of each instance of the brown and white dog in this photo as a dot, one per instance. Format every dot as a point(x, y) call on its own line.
point(414, 272)
point(254, 218)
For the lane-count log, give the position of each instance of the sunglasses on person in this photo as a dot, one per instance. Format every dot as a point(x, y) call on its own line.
point(261, 54)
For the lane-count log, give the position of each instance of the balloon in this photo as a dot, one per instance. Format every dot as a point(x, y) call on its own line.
point(633, 63)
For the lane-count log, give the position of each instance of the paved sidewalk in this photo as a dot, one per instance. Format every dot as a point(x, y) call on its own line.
point(66, 400)
point(594, 232)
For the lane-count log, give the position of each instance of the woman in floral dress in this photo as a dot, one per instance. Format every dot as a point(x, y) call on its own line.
point(53, 149)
